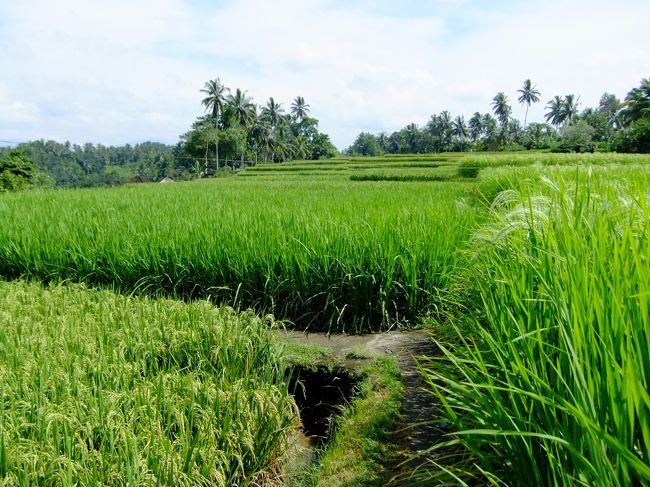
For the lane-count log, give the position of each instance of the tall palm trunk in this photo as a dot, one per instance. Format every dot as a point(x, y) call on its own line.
point(216, 141)
point(526, 116)
point(205, 170)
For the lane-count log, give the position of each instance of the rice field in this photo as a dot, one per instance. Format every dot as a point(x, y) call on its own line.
point(537, 267)
point(102, 389)
point(322, 254)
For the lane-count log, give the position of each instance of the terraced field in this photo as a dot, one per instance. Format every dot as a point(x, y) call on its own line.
point(120, 363)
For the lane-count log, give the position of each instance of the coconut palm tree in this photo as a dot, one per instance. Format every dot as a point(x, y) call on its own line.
point(301, 147)
point(529, 94)
point(570, 109)
point(215, 101)
point(555, 111)
point(490, 131)
point(258, 134)
point(299, 109)
point(475, 125)
point(241, 108)
point(445, 129)
point(501, 108)
point(637, 103)
point(272, 113)
point(459, 129)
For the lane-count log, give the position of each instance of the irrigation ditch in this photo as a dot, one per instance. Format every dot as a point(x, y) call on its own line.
point(326, 390)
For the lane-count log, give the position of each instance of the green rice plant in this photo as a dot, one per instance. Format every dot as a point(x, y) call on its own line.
point(529, 158)
point(550, 386)
point(328, 254)
point(424, 177)
point(101, 389)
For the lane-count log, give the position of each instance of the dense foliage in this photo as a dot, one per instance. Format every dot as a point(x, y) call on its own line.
point(548, 384)
point(16, 171)
point(236, 130)
point(71, 165)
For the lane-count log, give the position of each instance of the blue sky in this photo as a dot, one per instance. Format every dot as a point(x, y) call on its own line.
point(127, 71)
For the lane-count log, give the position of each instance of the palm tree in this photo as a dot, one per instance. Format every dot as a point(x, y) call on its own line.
point(570, 109)
point(413, 138)
point(529, 94)
point(556, 112)
point(301, 147)
point(272, 112)
point(490, 129)
point(445, 129)
point(501, 108)
point(637, 103)
point(475, 126)
point(299, 109)
point(215, 101)
point(459, 129)
point(242, 108)
point(258, 133)
point(515, 132)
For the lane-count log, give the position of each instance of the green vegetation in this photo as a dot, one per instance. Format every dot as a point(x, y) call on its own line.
point(17, 172)
point(72, 165)
point(612, 126)
point(325, 255)
point(99, 389)
point(239, 132)
point(548, 385)
point(536, 264)
point(233, 134)
point(363, 434)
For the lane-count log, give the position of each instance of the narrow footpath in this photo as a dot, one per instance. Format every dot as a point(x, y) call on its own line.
point(417, 431)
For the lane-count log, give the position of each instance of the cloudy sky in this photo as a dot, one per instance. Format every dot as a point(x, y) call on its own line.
point(126, 71)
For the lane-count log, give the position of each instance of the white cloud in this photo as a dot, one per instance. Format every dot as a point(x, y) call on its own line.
point(131, 70)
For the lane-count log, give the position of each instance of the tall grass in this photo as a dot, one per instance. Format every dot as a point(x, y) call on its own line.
point(330, 254)
point(98, 389)
point(515, 159)
point(550, 386)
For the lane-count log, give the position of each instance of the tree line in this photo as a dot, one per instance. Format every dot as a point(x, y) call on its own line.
point(611, 126)
point(72, 165)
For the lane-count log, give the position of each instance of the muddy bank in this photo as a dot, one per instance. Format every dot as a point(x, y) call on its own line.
point(417, 430)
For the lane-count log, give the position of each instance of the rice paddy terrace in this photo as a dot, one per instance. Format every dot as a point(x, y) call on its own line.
point(139, 351)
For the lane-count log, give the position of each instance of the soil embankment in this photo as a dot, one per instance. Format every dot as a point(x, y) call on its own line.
point(417, 431)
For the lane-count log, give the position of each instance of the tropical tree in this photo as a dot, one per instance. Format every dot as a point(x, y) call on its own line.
point(366, 144)
point(16, 171)
point(301, 147)
point(501, 108)
point(241, 108)
point(459, 130)
point(515, 131)
point(555, 111)
point(475, 125)
point(299, 109)
point(215, 101)
point(637, 103)
point(490, 131)
point(259, 134)
point(272, 113)
point(529, 94)
point(539, 136)
point(570, 109)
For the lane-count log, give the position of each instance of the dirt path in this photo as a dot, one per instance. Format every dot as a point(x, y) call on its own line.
point(416, 432)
